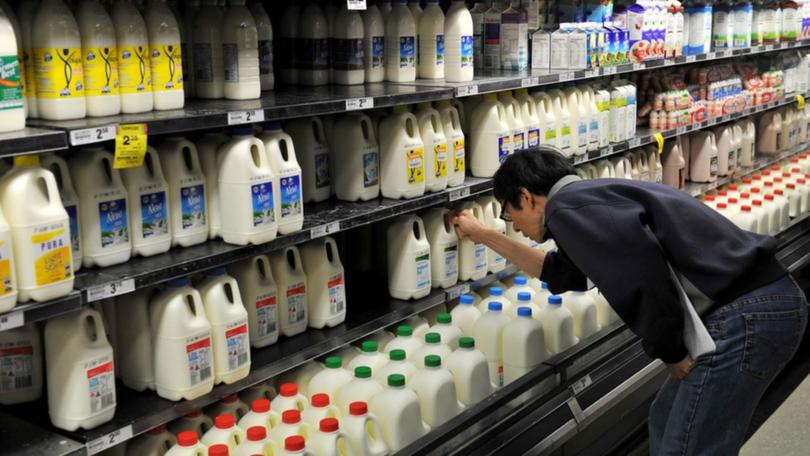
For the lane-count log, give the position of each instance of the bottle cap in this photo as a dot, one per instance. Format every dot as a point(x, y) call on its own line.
point(433, 361)
point(358, 408)
point(224, 421)
point(396, 355)
point(294, 443)
point(320, 400)
point(433, 338)
point(333, 362)
point(362, 372)
point(444, 318)
point(369, 346)
point(396, 380)
point(544, 285)
point(291, 416)
point(524, 296)
point(218, 449)
point(466, 299)
point(157, 430)
point(256, 433)
point(757, 203)
point(495, 306)
point(723, 205)
point(288, 389)
point(230, 399)
point(329, 425)
point(555, 300)
point(26, 161)
point(404, 330)
point(496, 291)
point(746, 208)
point(261, 406)
point(524, 312)
point(272, 126)
point(521, 280)
point(466, 342)
point(187, 438)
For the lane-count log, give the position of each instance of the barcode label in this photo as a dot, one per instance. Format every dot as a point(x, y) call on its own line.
point(608, 150)
point(467, 90)
point(16, 365)
point(353, 104)
point(566, 77)
point(243, 117)
point(12, 320)
point(581, 384)
point(608, 71)
point(110, 440)
point(681, 130)
point(356, 4)
point(458, 194)
point(198, 351)
point(92, 135)
point(109, 290)
point(236, 341)
point(458, 290)
point(324, 230)
point(579, 159)
point(101, 383)
point(690, 58)
point(529, 82)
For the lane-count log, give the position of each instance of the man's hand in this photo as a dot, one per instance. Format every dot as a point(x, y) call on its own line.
point(682, 368)
point(467, 225)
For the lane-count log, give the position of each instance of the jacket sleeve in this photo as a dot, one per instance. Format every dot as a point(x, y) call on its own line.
point(614, 248)
point(561, 274)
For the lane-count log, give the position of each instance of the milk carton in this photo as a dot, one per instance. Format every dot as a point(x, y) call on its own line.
point(292, 290)
point(260, 298)
point(357, 159)
point(399, 414)
point(402, 155)
point(470, 373)
point(288, 191)
point(187, 193)
point(326, 287)
point(488, 332)
point(148, 191)
point(408, 258)
point(135, 357)
point(21, 355)
point(436, 391)
point(134, 59)
point(99, 59)
point(166, 59)
point(331, 378)
point(523, 345)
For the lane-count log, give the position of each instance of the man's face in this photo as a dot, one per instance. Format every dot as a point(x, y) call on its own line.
point(528, 219)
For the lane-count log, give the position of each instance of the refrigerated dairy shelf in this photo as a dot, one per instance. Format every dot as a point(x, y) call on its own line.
point(30, 312)
point(31, 140)
point(21, 438)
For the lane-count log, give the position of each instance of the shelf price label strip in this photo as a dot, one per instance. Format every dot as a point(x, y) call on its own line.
point(92, 135)
point(110, 440)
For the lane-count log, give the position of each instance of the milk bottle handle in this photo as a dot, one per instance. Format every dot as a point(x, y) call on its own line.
point(263, 266)
point(420, 229)
point(328, 244)
point(64, 174)
point(261, 154)
point(199, 310)
point(318, 131)
point(367, 129)
point(50, 185)
point(296, 258)
point(98, 325)
point(305, 430)
point(151, 155)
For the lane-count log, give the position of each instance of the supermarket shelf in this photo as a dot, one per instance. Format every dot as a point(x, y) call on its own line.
point(39, 311)
point(22, 438)
point(31, 140)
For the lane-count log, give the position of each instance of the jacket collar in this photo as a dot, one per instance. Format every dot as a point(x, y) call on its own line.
point(562, 183)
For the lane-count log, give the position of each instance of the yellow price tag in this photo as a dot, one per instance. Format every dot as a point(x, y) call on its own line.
point(659, 138)
point(130, 145)
point(799, 101)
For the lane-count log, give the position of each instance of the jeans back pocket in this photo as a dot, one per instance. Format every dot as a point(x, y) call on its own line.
point(771, 339)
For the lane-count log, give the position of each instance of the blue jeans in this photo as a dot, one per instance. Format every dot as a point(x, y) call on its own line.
point(708, 412)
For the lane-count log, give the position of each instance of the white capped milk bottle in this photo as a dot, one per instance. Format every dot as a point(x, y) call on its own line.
point(134, 58)
point(21, 357)
point(356, 158)
point(148, 192)
point(465, 314)
point(187, 192)
point(488, 334)
point(207, 148)
point(81, 380)
point(431, 41)
point(514, 120)
point(209, 79)
point(245, 186)
point(184, 363)
point(491, 137)
point(166, 61)
point(443, 247)
point(331, 378)
point(523, 345)
point(265, 30)
point(289, 196)
point(348, 48)
point(470, 372)
point(289, 43)
point(292, 290)
point(435, 142)
point(456, 156)
point(491, 211)
point(459, 46)
point(154, 442)
point(136, 366)
point(25, 16)
point(398, 411)
point(529, 116)
point(400, 44)
point(312, 50)
point(408, 258)
point(260, 414)
point(224, 432)
point(558, 326)
point(240, 53)
point(402, 154)
point(406, 341)
point(188, 445)
point(58, 63)
point(229, 326)
point(105, 221)
point(70, 200)
point(313, 153)
point(472, 256)
point(436, 390)
point(363, 431)
point(326, 288)
point(373, 44)
point(260, 298)
point(99, 59)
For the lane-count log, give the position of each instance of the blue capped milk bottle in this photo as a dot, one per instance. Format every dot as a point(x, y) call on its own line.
point(313, 155)
point(148, 194)
point(472, 256)
point(356, 158)
point(207, 147)
point(488, 334)
point(491, 137)
point(260, 298)
point(245, 181)
point(443, 247)
point(456, 152)
point(402, 155)
point(326, 286)
point(400, 44)
point(558, 326)
point(523, 345)
point(188, 205)
point(408, 258)
point(431, 130)
point(70, 200)
point(104, 206)
point(287, 173)
point(288, 271)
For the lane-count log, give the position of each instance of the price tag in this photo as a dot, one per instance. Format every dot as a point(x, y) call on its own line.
point(580, 385)
point(92, 135)
point(455, 292)
point(12, 320)
point(690, 58)
point(639, 66)
point(529, 82)
point(579, 159)
point(243, 117)
point(324, 230)
point(659, 138)
point(130, 145)
point(768, 47)
point(566, 77)
point(458, 194)
point(356, 4)
point(719, 54)
point(108, 290)
point(680, 130)
point(353, 104)
point(799, 102)
point(467, 90)
point(110, 440)
point(609, 70)
point(633, 143)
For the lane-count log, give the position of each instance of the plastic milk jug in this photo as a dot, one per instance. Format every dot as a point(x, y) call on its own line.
point(397, 364)
point(564, 122)
point(312, 59)
point(265, 41)
point(363, 431)
point(491, 137)
point(459, 45)
point(472, 257)
point(209, 79)
point(134, 58)
point(147, 192)
point(433, 346)
point(319, 409)
point(725, 150)
point(492, 218)
point(521, 284)
point(331, 378)
point(25, 15)
point(408, 258)
point(431, 129)
point(746, 157)
point(515, 120)
point(260, 298)
point(289, 197)
point(313, 151)
point(348, 48)
point(289, 399)
point(70, 200)
point(370, 356)
point(261, 390)
point(373, 44)
point(398, 412)
point(579, 120)
point(465, 314)
point(526, 299)
point(99, 59)
point(230, 405)
point(21, 357)
point(400, 44)
point(546, 118)
point(299, 377)
point(260, 414)
point(523, 345)
point(295, 445)
point(436, 390)
point(290, 425)
point(326, 288)
point(255, 442)
point(361, 388)
point(187, 445)
point(704, 159)
point(443, 247)
point(58, 63)
point(583, 309)
point(558, 326)
point(166, 61)
point(382, 337)
point(135, 357)
point(225, 432)
point(292, 290)
point(188, 205)
point(470, 373)
point(456, 160)
point(496, 294)
point(402, 155)
point(288, 44)
point(431, 42)
point(406, 341)
point(356, 158)
point(154, 442)
point(81, 380)
point(207, 149)
point(196, 422)
point(240, 52)
point(488, 331)
point(529, 117)
point(450, 334)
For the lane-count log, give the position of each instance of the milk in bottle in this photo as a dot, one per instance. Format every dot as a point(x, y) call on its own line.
point(406, 341)
point(240, 53)
point(369, 356)
point(430, 29)
point(21, 357)
point(207, 147)
point(488, 333)
point(260, 414)
point(288, 44)
point(408, 258)
point(558, 326)
point(356, 158)
point(472, 256)
point(209, 79)
point(398, 411)
point(260, 298)
point(523, 345)
point(450, 334)
point(514, 120)
point(224, 432)
point(148, 191)
point(443, 247)
point(458, 32)
point(331, 378)
point(456, 157)
point(135, 357)
point(491, 137)
point(348, 48)
point(230, 405)
point(465, 314)
point(188, 445)
point(187, 194)
point(292, 290)
point(70, 200)
point(402, 155)
point(492, 218)
point(290, 425)
point(312, 52)
point(99, 59)
point(435, 142)
point(363, 431)
point(265, 30)
point(400, 44)
point(529, 117)
point(295, 445)
point(289, 398)
point(326, 288)
point(256, 442)
point(313, 152)
point(134, 58)
point(166, 61)
point(397, 364)
point(373, 44)
point(436, 390)
point(583, 309)
point(470, 372)
point(13, 58)
point(289, 197)
point(433, 346)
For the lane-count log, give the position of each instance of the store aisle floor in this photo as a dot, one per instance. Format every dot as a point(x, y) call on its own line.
point(786, 432)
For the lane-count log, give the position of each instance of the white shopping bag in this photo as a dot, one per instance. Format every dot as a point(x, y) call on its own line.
point(696, 337)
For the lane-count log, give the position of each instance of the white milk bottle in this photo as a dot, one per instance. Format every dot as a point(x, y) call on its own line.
point(134, 66)
point(398, 412)
point(579, 120)
point(99, 59)
point(363, 431)
point(443, 247)
point(356, 159)
point(433, 346)
point(420, 325)
point(187, 445)
point(436, 390)
point(492, 218)
point(292, 290)
point(470, 373)
point(225, 432)
point(529, 117)
point(459, 46)
point(456, 160)
point(289, 197)
point(255, 442)
point(370, 356)
point(299, 377)
point(373, 44)
point(196, 422)
point(583, 309)
point(564, 122)
point(240, 53)
point(230, 405)
point(348, 48)
point(402, 155)
point(70, 200)
point(289, 43)
point(58, 63)
point(21, 357)
point(488, 333)
point(260, 298)
point(558, 326)
point(450, 334)
point(496, 294)
point(361, 388)
point(182, 342)
point(166, 61)
point(406, 341)
point(289, 399)
point(465, 314)
point(400, 44)
point(490, 137)
point(319, 409)
point(431, 130)
point(746, 157)
point(136, 366)
point(521, 284)
point(248, 214)
point(397, 364)
point(382, 337)
point(472, 257)
point(81, 380)
point(523, 345)
point(546, 118)
point(25, 16)
point(207, 148)
point(331, 378)
point(313, 152)
point(326, 287)
point(312, 51)
point(154, 442)
point(147, 191)
point(295, 445)
point(290, 425)
point(187, 192)
point(408, 258)
point(209, 79)
point(260, 414)
point(103, 210)
point(265, 41)
point(431, 41)
point(526, 299)
point(261, 390)
point(514, 120)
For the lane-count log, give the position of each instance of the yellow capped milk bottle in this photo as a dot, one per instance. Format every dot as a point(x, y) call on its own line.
point(399, 414)
point(472, 256)
point(491, 137)
point(458, 33)
point(402, 155)
point(523, 345)
point(431, 41)
point(514, 120)
point(326, 288)
point(356, 158)
point(374, 44)
point(287, 174)
point(148, 206)
point(209, 79)
point(81, 382)
point(431, 130)
point(166, 61)
point(443, 247)
point(436, 390)
point(348, 48)
point(184, 364)
point(188, 205)
point(400, 44)
point(245, 184)
point(99, 59)
point(13, 108)
point(207, 148)
point(70, 200)
point(260, 298)
point(134, 58)
point(313, 151)
point(492, 218)
point(529, 116)
point(488, 334)
point(240, 52)
point(312, 49)
point(21, 357)
point(456, 156)
point(265, 30)
point(25, 15)
point(103, 211)
point(58, 63)
point(363, 431)
point(470, 372)
point(136, 366)
point(408, 258)
point(292, 290)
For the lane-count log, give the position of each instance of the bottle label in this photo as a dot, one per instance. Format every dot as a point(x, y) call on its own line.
point(230, 60)
point(51, 246)
point(296, 302)
point(377, 51)
point(714, 166)
point(291, 204)
point(30, 88)
point(135, 69)
point(467, 51)
point(322, 169)
point(73, 217)
point(492, 46)
point(112, 216)
point(440, 160)
point(11, 85)
point(266, 311)
point(503, 148)
point(593, 131)
point(236, 339)
point(439, 49)
point(265, 56)
point(167, 67)
point(582, 134)
point(198, 352)
point(154, 215)
point(500, 375)
point(192, 206)
point(565, 137)
point(459, 158)
point(59, 72)
point(5, 268)
point(348, 54)
point(371, 170)
point(423, 271)
point(16, 365)
point(416, 166)
point(100, 71)
point(101, 383)
point(497, 257)
point(337, 295)
point(203, 63)
point(534, 137)
point(551, 134)
point(262, 203)
point(450, 261)
point(407, 52)
point(517, 141)
point(313, 54)
point(480, 257)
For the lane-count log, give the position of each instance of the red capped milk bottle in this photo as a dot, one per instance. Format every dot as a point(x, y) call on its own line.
point(188, 445)
point(240, 51)
point(135, 357)
point(188, 205)
point(357, 159)
point(319, 409)
point(408, 258)
point(289, 194)
point(166, 61)
point(470, 372)
point(99, 59)
point(326, 287)
point(363, 431)
point(290, 425)
point(443, 247)
point(154, 442)
point(456, 153)
point(224, 432)
point(289, 398)
point(148, 194)
point(256, 442)
point(291, 280)
point(402, 155)
point(472, 256)
point(313, 153)
point(260, 298)
point(260, 414)
point(491, 137)
point(21, 356)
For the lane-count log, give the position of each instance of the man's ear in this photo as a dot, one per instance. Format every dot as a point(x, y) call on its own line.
point(526, 198)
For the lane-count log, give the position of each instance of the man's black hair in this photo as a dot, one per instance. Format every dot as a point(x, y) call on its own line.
point(536, 169)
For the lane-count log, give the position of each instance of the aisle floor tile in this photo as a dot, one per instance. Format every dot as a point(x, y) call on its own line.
point(785, 432)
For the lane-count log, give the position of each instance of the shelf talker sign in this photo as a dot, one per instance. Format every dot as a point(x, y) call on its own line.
point(130, 145)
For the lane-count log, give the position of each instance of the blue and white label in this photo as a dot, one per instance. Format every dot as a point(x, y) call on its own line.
point(154, 215)
point(439, 49)
point(517, 141)
point(377, 51)
point(74, 227)
point(322, 169)
point(582, 131)
point(450, 261)
point(423, 271)
point(262, 203)
point(291, 203)
point(480, 257)
point(407, 52)
point(534, 137)
point(112, 216)
point(265, 57)
point(467, 51)
point(192, 204)
point(503, 148)
point(371, 170)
